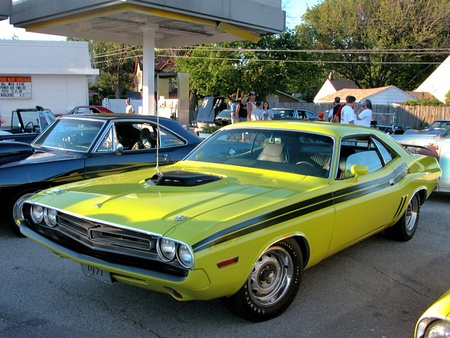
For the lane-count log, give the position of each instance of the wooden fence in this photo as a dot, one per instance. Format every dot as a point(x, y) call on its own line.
point(416, 117)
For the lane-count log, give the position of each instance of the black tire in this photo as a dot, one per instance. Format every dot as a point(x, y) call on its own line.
point(15, 209)
point(406, 226)
point(272, 284)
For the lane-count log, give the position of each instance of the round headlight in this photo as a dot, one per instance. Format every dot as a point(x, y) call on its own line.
point(50, 217)
point(439, 328)
point(185, 256)
point(37, 213)
point(167, 249)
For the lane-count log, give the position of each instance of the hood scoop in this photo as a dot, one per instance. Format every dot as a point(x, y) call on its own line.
point(181, 179)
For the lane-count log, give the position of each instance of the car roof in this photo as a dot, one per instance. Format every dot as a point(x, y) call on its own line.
point(321, 127)
point(113, 116)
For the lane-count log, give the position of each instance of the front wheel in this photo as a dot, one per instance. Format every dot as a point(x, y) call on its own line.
point(406, 226)
point(272, 284)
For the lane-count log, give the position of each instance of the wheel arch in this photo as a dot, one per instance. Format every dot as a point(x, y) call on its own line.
point(422, 193)
point(304, 247)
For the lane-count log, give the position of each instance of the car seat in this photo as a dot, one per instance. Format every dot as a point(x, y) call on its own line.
point(274, 152)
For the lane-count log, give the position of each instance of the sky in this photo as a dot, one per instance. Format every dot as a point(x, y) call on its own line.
point(294, 10)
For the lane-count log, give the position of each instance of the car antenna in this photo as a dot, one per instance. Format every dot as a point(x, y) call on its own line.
point(157, 141)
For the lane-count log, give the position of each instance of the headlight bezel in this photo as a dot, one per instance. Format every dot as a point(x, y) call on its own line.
point(50, 217)
point(180, 253)
point(37, 209)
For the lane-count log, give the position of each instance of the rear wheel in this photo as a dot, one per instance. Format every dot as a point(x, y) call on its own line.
point(15, 209)
point(406, 226)
point(272, 284)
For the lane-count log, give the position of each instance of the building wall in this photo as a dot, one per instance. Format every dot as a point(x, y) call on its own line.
point(325, 90)
point(389, 96)
point(59, 72)
point(59, 93)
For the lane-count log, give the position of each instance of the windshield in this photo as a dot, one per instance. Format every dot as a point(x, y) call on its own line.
point(287, 151)
point(75, 135)
point(440, 125)
point(225, 113)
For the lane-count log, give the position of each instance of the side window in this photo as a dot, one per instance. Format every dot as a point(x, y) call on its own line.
point(386, 153)
point(167, 139)
point(109, 141)
point(363, 150)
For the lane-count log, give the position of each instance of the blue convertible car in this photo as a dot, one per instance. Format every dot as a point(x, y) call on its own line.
point(79, 147)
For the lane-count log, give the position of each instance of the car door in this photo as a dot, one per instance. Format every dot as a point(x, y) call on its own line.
point(365, 203)
point(114, 152)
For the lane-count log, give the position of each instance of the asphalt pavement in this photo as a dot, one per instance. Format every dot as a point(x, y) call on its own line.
point(377, 288)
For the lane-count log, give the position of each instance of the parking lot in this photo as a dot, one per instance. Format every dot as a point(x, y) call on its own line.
point(378, 288)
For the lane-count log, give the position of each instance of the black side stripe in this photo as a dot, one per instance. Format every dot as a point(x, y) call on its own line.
point(298, 209)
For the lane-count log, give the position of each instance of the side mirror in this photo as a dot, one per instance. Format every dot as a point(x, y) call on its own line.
point(357, 170)
point(119, 149)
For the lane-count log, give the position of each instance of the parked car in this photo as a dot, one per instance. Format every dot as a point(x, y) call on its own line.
point(435, 321)
point(78, 147)
point(241, 216)
point(437, 127)
point(26, 124)
point(293, 114)
point(88, 110)
point(434, 145)
point(223, 118)
point(389, 129)
point(211, 106)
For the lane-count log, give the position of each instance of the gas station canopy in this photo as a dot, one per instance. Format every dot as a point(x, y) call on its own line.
point(175, 22)
point(151, 24)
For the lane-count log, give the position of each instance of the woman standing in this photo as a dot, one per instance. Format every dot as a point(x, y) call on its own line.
point(267, 112)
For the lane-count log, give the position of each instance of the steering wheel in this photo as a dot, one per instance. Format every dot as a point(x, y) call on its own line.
point(29, 126)
point(305, 163)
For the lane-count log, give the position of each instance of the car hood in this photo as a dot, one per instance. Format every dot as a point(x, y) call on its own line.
point(38, 156)
point(218, 198)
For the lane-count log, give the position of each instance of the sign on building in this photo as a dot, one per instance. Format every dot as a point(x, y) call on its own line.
point(15, 87)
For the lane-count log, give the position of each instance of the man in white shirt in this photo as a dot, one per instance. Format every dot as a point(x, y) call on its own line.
point(348, 115)
point(257, 113)
point(365, 116)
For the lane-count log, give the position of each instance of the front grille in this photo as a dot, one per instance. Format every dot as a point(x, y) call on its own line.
point(95, 234)
point(106, 242)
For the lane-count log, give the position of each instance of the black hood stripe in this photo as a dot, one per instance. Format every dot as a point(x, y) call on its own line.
point(299, 209)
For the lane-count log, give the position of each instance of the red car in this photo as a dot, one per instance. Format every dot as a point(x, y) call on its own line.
point(87, 110)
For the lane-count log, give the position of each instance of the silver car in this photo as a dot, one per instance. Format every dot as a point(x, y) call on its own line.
point(434, 145)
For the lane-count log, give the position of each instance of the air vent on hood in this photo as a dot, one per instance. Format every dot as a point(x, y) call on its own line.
point(182, 178)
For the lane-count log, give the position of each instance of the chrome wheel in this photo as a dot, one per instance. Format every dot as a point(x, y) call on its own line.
point(271, 277)
point(272, 284)
point(411, 215)
point(406, 226)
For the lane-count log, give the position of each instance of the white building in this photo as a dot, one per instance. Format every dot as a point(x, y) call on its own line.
point(51, 74)
point(438, 83)
point(379, 96)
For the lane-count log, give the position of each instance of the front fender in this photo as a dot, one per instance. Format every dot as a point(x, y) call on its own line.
point(14, 151)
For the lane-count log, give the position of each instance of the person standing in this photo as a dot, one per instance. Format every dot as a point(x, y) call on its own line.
point(257, 113)
point(267, 112)
point(365, 116)
point(233, 106)
point(336, 105)
point(241, 110)
point(348, 115)
point(251, 104)
point(129, 109)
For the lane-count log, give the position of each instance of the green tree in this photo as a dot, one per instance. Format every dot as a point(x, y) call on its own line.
point(116, 64)
point(381, 42)
point(267, 66)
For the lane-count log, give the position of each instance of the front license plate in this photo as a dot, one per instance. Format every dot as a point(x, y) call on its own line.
point(96, 273)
